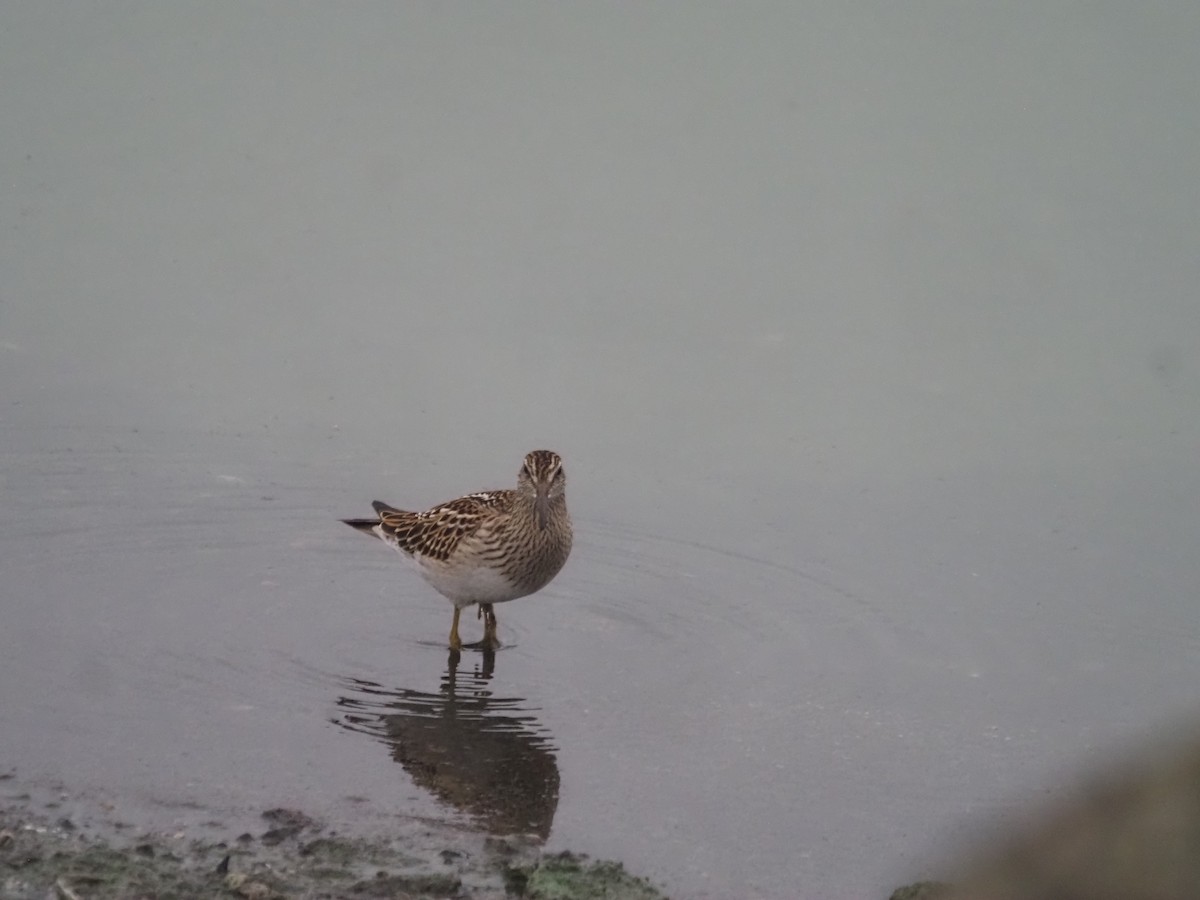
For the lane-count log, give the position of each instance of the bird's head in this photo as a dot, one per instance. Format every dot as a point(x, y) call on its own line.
point(542, 479)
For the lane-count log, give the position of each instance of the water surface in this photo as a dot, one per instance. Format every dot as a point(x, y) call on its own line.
point(867, 338)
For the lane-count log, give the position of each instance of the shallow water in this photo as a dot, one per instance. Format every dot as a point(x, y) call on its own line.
point(189, 625)
point(867, 339)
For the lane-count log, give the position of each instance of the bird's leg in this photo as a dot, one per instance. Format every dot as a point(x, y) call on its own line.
point(489, 641)
point(455, 640)
point(489, 626)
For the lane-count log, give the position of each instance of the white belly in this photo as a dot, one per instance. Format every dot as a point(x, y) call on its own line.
point(465, 585)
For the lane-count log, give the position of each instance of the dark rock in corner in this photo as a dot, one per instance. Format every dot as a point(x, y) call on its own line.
point(1131, 833)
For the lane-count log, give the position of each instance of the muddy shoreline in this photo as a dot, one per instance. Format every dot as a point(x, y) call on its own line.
point(92, 854)
point(1128, 832)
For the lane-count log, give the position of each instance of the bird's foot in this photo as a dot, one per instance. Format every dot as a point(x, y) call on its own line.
point(490, 641)
point(487, 642)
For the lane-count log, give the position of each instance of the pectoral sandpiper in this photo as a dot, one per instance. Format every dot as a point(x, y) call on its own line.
point(489, 547)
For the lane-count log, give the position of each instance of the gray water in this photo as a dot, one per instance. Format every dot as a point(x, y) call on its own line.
point(868, 337)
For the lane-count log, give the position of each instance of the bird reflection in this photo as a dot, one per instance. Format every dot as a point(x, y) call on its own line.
point(481, 754)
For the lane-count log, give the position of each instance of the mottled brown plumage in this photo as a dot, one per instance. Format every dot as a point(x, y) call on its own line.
point(489, 547)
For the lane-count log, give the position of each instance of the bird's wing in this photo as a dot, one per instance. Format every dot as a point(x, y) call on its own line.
point(437, 532)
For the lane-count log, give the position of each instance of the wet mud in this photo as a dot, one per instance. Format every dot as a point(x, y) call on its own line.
point(292, 855)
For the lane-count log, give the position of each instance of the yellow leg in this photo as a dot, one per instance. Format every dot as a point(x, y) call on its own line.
point(455, 640)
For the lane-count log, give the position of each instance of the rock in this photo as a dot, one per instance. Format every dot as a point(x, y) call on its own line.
point(1132, 833)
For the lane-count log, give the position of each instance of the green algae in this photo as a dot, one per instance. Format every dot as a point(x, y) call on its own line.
point(570, 876)
point(97, 870)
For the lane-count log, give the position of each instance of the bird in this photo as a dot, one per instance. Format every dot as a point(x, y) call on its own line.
point(488, 547)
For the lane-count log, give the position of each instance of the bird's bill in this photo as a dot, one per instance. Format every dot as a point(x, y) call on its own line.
point(541, 508)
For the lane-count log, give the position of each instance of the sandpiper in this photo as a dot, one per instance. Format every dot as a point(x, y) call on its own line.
point(489, 547)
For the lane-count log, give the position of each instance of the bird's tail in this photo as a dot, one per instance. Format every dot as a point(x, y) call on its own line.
point(366, 526)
